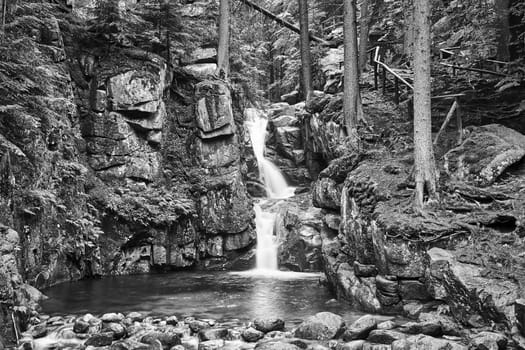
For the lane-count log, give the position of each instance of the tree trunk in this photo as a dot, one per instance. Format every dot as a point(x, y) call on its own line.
point(306, 59)
point(223, 52)
point(4, 10)
point(409, 30)
point(425, 167)
point(351, 98)
point(502, 12)
point(364, 23)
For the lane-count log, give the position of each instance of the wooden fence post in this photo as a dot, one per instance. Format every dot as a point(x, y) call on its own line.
point(459, 122)
point(384, 80)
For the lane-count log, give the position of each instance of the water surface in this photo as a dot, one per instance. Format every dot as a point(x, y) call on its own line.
point(226, 297)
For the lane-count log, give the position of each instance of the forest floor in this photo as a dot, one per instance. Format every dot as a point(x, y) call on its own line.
point(491, 218)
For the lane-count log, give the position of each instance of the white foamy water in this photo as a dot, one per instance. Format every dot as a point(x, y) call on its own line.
point(272, 178)
point(276, 187)
point(266, 253)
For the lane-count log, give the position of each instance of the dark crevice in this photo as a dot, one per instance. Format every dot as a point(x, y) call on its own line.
point(503, 223)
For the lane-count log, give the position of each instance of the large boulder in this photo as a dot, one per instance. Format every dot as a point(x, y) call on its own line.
point(201, 70)
point(224, 206)
point(288, 139)
point(321, 326)
point(327, 194)
point(418, 342)
point(137, 90)
point(268, 324)
point(298, 233)
point(214, 109)
point(200, 55)
point(470, 294)
point(485, 154)
point(275, 345)
point(361, 328)
point(326, 135)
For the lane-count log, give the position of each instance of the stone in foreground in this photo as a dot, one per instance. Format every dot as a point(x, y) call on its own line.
point(361, 328)
point(321, 326)
point(268, 325)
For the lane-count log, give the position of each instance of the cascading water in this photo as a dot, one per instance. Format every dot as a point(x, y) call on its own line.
point(274, 182)
point(276, 187)
point(266, 253)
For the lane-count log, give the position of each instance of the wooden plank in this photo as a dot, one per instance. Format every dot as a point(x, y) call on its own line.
point(447, 120)
point(444, 97)
point(477, 70)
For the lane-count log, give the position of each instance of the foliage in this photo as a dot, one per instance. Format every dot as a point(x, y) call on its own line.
point(265, 56)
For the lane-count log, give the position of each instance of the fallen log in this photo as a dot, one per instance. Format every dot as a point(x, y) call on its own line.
point(283, 22)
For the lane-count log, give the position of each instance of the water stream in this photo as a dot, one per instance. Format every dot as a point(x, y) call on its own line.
point(274, 182)
point(276, 188)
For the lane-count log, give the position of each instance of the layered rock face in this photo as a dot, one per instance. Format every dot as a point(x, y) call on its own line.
point(115, 161)
point(383, 257)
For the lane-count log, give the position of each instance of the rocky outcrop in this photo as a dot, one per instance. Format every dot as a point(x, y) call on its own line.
point(285, 144)
point(468, 292)
point(111, 162)
point(485, 154)
point(382, 257)
point(297, 227)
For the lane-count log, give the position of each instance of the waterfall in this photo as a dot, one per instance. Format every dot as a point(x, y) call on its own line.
point(274, 182)
point(266, 253)
point(276, 187)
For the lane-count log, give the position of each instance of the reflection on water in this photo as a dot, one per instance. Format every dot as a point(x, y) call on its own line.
point(226, 297)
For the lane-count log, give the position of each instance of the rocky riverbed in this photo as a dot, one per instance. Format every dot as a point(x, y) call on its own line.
point(324, 330)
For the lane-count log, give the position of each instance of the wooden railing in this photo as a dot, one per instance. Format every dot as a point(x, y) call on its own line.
point(399, 81)
point(452, 52)
point(381, 66)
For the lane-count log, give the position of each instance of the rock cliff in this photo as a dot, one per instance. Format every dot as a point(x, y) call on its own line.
point(119, 154)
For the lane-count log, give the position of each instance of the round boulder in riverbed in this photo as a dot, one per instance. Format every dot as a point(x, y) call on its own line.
point(275, 345)
point(252, 335)
point(361, 328)
point(213, 333)
point(101, 339)
point(172, 320)
point(197, 326)
point(421, 341)
point(429, 328)
point(351, 345)
point(168, 340)
point(321, 326)
point(112, 317)
point(211, 344)
point(135, 316)
point(118, 330)
point(268, 325)
point(81, 325)
point(385, 336)
point(38, 330)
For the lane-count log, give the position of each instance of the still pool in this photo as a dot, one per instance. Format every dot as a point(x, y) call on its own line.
point(226, 297)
